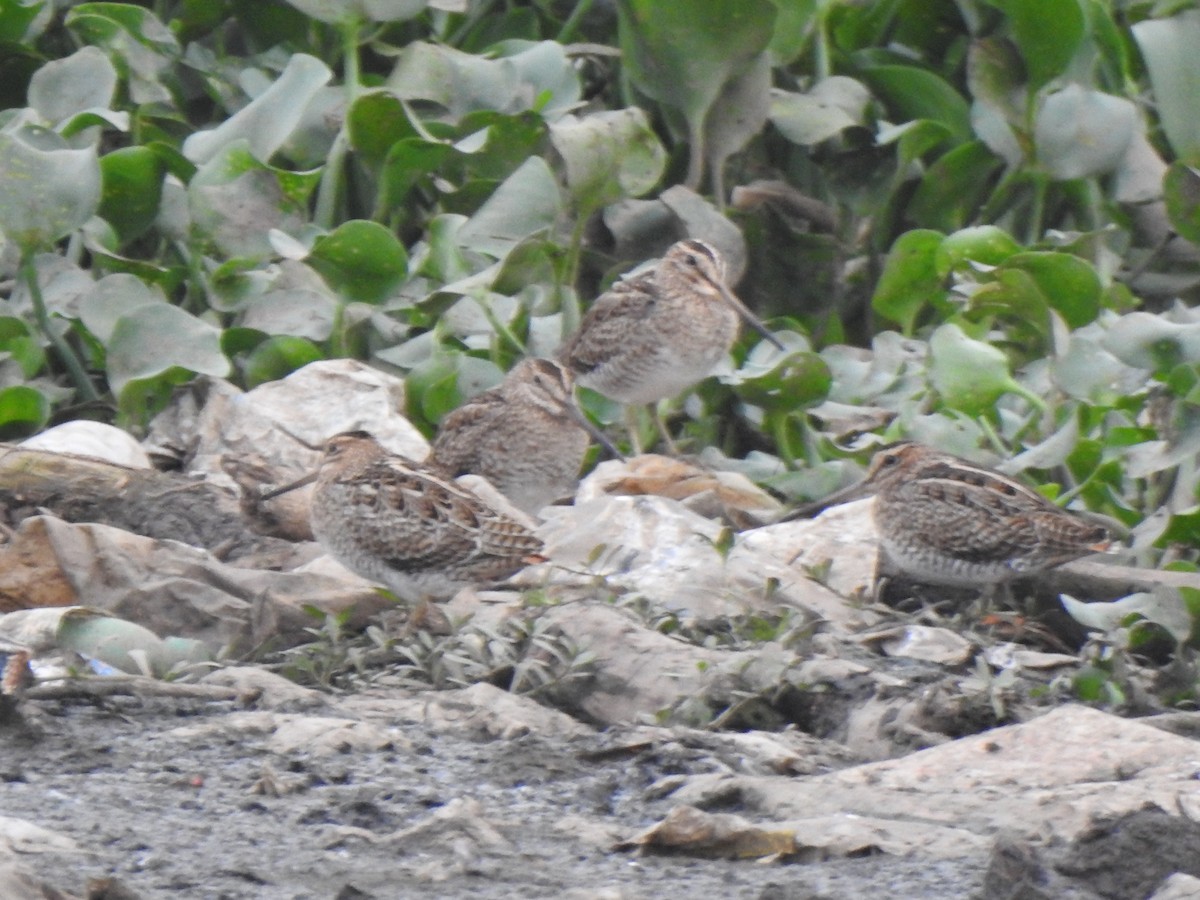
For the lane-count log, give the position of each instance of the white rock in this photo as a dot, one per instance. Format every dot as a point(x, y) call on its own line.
point(1043, 780)
point(313, 403)
point(82, 437)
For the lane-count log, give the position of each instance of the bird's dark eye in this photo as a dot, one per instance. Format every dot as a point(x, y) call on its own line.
point(693, 261)
point(890, 460)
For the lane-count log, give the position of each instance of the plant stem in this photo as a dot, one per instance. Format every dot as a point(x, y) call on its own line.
point(74, 367)
point(567, 32)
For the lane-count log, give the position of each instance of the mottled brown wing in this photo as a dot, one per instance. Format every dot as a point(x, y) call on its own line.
point(453, 526)
point(963, 521)
point(610, 322)
point(460, 432)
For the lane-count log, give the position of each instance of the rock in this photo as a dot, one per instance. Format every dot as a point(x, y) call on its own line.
point(1047, 779)
point(657, 548)
point(481, 712)
point(82, 437)
point(169, 587)
point(215, 420)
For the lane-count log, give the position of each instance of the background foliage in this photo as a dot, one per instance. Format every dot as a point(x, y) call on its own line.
point(973, 223)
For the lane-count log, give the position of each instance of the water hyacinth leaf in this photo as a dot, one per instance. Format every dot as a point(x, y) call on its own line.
point(143, 48)
point(62, 88)
point(15, 18)
point(235, 200)
point(20, 345)
point(1169, 49)
point(914, 93)
point(985, 244)
point(277, 357)
point(376, 121)
point(833, 105)
point(953, 187)
point(537, 76)
point(684, 55)
point(154, 339)
point(112, 297)
point(406, 163)
point(737, 117)
point(361, 260)
point(267, 121)
point(803, 379)
point(969, 375)
point(293, 311)
point(548, 78)
point(23, 411)
point(1015, 295)
point(1163, 607)
point(608, 156)
point(45, 194)
point(1147, 341)
point(527, 203)
point(1069, 284)
point(1048, 33)
point(1181, 189)
point(1081, 133)
point(132, 179)
point(356, 12)
point(910, 278)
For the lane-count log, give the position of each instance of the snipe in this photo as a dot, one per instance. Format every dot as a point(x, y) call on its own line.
point(944, 520)
point(654, 335)
point(406, 526)
point(526, 436)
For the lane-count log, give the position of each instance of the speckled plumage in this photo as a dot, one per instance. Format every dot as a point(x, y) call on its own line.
point(654, 335)
point(943, 520)
point(525, 436)
point(404, 525)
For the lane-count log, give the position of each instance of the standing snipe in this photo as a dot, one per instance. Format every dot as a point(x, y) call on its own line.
point(526, 436)
point(655, 335)
point(404, 525)
point(943, 520)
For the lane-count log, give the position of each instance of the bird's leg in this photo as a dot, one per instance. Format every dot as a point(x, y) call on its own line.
point(668, 441)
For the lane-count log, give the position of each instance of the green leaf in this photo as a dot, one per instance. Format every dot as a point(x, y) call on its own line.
point(277, 357)
point(969, 375)
point(608, 156)
point(951, 191)
point(799, 381)
point(361, 260)
point(358, 12)
point(45, 194)
point(1069, 284)
point(1169, 49)
point(985, 244)
point(22, 411)
point(152, 340)
point(527, 203)
point(910, 278)
point(375, 122)
point(143, 48)
point(1048, 34)
point(832, 106)
point(1181, 188)
point(268, 120)
point(1081, 133)
point(65, 87)
point(538, 76)
point(16, 16)
point(915, 93)
point(20, 345)
point(132, 179)
point(684, 54)
point(235, 200)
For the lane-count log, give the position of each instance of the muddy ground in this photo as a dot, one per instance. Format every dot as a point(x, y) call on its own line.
point(215, 813)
